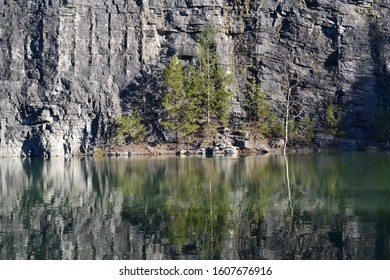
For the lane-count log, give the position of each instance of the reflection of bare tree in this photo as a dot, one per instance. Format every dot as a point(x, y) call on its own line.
point(290, 204)
point(289, 198)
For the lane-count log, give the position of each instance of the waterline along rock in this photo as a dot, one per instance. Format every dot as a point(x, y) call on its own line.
point(69, 68)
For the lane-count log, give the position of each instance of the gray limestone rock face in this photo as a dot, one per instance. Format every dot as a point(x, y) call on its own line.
point(69, 68)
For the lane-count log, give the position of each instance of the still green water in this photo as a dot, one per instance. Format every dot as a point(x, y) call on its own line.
point(326, 206)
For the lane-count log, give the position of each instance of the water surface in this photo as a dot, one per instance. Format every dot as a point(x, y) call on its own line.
point(328, 206)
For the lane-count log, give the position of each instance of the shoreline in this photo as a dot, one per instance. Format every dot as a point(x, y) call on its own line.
point(249, 148)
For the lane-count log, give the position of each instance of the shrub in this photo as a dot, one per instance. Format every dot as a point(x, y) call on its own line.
point(333, 120)
point(129, 128)
point(308, 126)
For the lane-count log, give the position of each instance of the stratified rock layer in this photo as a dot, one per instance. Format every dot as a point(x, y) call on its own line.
point(69, 68)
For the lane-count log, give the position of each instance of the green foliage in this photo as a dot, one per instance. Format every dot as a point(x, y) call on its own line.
point(308, 126)
point(98, 153)
point(197, 94)
point(293, 128)
point(333, 120)
point(193, 200)
point(179, 102)
point(174, 78)
point(261, 117)
point(211, 79)
point(302, 129)
point(129, 128)
point(253, 99)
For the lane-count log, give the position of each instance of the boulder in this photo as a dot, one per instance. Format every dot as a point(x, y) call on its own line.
point(243, 144)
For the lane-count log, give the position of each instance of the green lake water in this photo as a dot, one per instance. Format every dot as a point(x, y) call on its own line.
point(320, 206)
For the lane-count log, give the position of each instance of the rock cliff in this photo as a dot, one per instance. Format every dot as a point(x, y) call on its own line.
point(69, 68)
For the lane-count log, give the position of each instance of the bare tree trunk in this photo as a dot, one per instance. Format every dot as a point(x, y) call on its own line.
point(177, 140)
point(208, 89)
point(289, 102)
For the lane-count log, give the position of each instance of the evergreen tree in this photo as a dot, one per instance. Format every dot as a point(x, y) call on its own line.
point(213, 79)
point(260, 116)
point(129, 127)
point(193, 103)
point(197, 94)
point(179, 102)
point(333, 120)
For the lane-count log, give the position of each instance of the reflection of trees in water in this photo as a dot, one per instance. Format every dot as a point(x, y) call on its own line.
point(191, 200)
point(303, 207)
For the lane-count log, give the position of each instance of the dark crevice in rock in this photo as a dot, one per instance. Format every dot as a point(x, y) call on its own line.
point(332, 60)
point(331, 33)
point(312, 4)
point(339, 94)
point(139, 3)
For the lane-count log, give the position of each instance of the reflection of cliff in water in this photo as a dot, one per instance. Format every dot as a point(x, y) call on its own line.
point(196, 208)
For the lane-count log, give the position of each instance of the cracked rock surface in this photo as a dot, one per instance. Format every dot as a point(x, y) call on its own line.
point(69, 68)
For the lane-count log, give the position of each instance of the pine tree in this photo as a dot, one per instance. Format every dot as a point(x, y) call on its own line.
point(129, 127)
point(193, 103)
point(197, 94)
point(212, 78)
point(178, 101)
point(260, 116)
